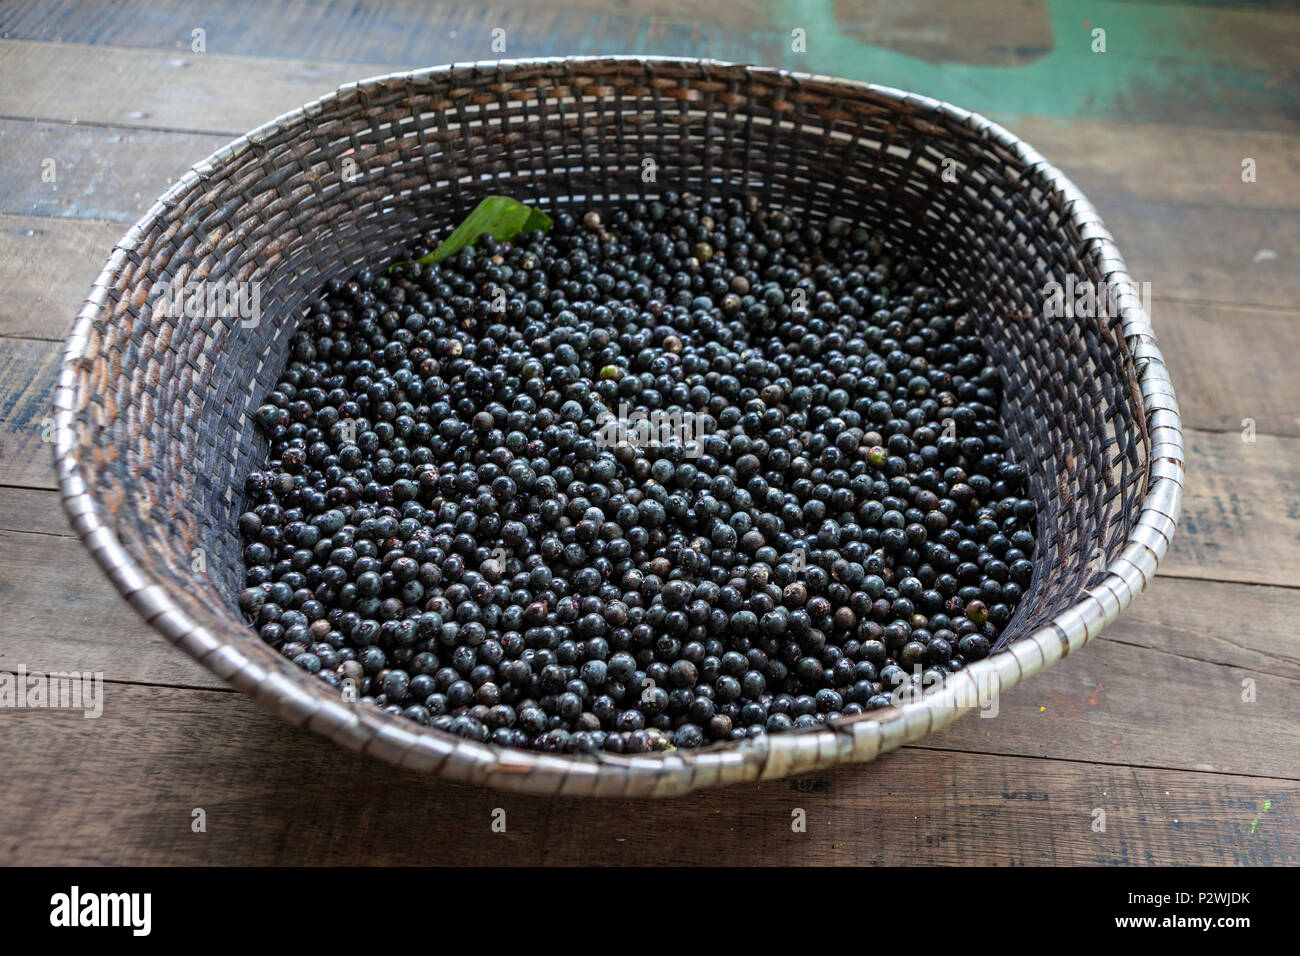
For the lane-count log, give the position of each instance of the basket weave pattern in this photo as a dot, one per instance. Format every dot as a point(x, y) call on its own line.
point(153, 426)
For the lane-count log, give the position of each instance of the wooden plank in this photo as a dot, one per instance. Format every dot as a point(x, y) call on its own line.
point(1096, 706)
point(47, 266)
point(1241, 510)
point(1231, 366)
point(1184, 32)
point(1117, 163)
point(98, 174)
point(1236, 256)
point(149, 89)
point(192, 749)
point(228, 95)
point(946, 801)
point(1281, 6)
point(1002, 32)
point(1220, 375)
point(33, 511)
point(1176, 615)
point(1250, 628)
point(1115, 702)
point(28, 373)
point(63, 614)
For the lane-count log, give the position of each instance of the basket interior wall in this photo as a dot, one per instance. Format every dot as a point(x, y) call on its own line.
point(168, 403)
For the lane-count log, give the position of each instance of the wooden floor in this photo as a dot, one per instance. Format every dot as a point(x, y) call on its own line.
point(1181, 722)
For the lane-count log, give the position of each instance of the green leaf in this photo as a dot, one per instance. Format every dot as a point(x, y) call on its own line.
point(499, 216)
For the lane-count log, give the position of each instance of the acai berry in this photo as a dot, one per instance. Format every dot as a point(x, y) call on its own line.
point(670, 474)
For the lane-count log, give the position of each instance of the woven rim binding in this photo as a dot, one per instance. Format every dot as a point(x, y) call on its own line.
point(307, 702)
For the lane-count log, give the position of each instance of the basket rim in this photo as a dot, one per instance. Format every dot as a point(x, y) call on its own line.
point(304, 700)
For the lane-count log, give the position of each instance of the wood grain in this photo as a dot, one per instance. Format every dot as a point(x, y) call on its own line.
point(146, 89)
point(1179, 616)
point(277, 795)
point(47, 266)
point(1243, 626)
point(63, 614)
point(1117, 703)
point(1232, 257)
point(28, 373)
point(1198, 165)
point(1236, 256)
point(98, 174)
point(33, 511)
point(1222, 372)
point(1241, 510)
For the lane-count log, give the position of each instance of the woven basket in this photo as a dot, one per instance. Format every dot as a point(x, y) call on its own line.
point(154, 433)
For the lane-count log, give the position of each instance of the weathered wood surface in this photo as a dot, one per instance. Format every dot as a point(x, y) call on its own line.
point(227, 95)
point(129, 784)
point(1209, 251)
point(1181, 722)
point(1215, 66)
point(28, 371)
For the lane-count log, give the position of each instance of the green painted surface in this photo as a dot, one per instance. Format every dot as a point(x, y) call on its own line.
point(1144, 47)
point(1198, 64)
point(1161, 63)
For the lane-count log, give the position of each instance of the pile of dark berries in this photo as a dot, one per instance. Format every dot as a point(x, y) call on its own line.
point(440, 530)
